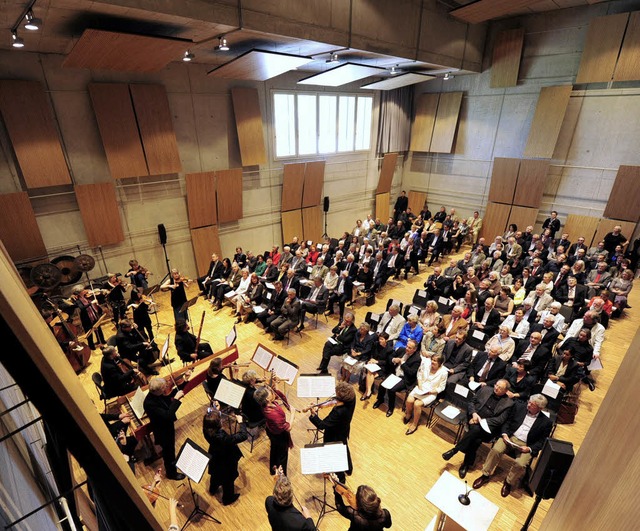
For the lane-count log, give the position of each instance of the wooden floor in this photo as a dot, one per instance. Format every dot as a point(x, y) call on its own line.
point(401, 469)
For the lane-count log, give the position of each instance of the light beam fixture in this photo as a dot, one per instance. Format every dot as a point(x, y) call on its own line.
point(448, 76)
point(188, 56)
point(394, 71)
point(32, 23)
point(222, 46)
point(16, 41)
point(333, 58)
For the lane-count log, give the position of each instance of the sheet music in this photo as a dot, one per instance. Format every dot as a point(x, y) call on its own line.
point(350, 361)
point(473, 385)
point(478, 335)
point(165, 347)
point(284, 369)
point(450, 412)
point(262, 357)
point(372, 367)
point(551, 389)
point(462, 390)
point(319, 459)
point(137, 402)
point(230, 393)
point(485, 425)
point(192, 460)
point(595, 365)
point(313, 386)
point(391, 381)
point(231, 336)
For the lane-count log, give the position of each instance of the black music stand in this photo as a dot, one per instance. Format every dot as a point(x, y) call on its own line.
point(193, 461)
point(149, 293)
point(185, 307)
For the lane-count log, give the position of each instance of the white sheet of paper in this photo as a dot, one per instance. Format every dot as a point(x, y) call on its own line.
point(375, 317)
point(473, 385)
point(230, 393)
point(332, 341)
point(192, 461)
point(422, 293)
point(477, 334)
point(451, 412)
point(484, 425)
point(230, 294)
point(443, 300)
point(350, 361)
point(461, 390)
point(391, 381)
point(258, 309)
point(324, 459)
point(372, 367)
point(413, 310)
point(269, 285)
point(357, 284)
point(311, 386)
point(285, 371)
point(165, 347)
point(595, 365)
point(551, 389)
point(231, 336)
point(512, 444)
point(262, 357)
point(137, 402)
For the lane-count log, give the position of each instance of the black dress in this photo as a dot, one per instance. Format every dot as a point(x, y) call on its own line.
point(361, 521)
point(223, 465)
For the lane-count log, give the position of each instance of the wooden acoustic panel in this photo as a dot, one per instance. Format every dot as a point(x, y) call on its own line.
point(201, 199)
point(100, 213)
point(423, 122)
point(259, 65)
point(505, 63)
point(624, 199)
point(246, 107)
point(494, 221)
point(387, 171)
point(205, 241)
point(118, 129)
point(522, 217)
point(504, 177)
point(382, 206)
point(601, 49)
point(291, 225)
point(151, 106)
point(444, 129)
point(312, 223)
point(28, 117)
point(547, 120)
point(229, 194)
point(577, 226)
point(606, 226)
point(313, 183)
point(19, 229)
point(109, 50)
point(628, 66)
point(531, 181)
point(292, 186)
point(484, 10)
point(416, 202)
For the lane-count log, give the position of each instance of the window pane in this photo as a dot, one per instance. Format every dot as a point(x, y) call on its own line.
point(285, 125)
point(346, 123)
point(327, 124)
point(363, 123)
point(307, 129)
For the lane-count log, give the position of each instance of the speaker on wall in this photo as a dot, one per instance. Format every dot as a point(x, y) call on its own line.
point(325, 205)
point(552, 467)
point(162, 232)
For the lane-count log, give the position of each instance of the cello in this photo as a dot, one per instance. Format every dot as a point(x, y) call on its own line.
point(66, 333)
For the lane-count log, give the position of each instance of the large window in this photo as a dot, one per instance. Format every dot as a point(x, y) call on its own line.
point(310, 124)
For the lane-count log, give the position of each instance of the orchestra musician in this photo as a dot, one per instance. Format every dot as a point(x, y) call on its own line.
point(138, 275)
point(251, 411)
point(118, 425)
point(115, 296)
point(278, 427)
point(185, 343)
point(141, 306)
point(161, 408)
point(132, 346)
point(117, 382)
point(282, 514)
point(177, 283)
point(90, 312)
point(368, 514)
point(215, 375)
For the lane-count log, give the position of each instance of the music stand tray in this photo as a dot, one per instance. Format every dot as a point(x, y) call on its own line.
point(185, 307)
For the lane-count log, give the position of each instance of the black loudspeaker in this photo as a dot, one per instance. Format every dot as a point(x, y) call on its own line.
point(162, 232)
point(552, 467)
point(325, 205)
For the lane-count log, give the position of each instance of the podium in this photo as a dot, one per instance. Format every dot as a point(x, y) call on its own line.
point(452, 515)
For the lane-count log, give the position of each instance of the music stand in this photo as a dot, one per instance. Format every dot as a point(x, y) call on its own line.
point(185, 307)
point(316, 386)
point(193, 461)
point(149, 293)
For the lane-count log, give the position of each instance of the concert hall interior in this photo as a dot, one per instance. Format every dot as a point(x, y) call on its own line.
point(147, 146)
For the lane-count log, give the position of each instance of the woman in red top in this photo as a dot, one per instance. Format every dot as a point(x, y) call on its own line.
point(312, 257)
point(278, 427)
point(275, 255)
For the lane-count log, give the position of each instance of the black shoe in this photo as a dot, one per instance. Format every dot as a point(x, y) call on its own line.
point(178, 476)
point(505, 490)
point(300, 328)
point(278, 337)
point(323, 371)
point(591, 384)
point(389, 412)
point(462, 472)
point(376, 404)
point(231, 500)
point(449, 454)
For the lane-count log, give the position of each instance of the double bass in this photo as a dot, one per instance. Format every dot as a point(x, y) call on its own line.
point(66, 333)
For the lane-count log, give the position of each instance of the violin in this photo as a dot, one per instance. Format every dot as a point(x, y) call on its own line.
point(125, 366)
point(327, 403)
point(343, 490)
point(151, 490)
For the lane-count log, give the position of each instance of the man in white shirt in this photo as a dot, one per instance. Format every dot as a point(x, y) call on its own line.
point(391, 322)
point(590, 321)
point(518, 324)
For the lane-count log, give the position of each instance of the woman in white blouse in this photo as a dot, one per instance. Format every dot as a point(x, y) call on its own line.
point(331, 279)
point(242, 288)
point(503, 340)
point(432, 380)
point(430, 318)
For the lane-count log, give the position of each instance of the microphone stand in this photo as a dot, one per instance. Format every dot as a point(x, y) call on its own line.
point(464, 498)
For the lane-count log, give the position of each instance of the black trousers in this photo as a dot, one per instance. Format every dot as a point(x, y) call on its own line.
point(470, 443)
point(330, 350)
point(391, 393)
point(279, 452)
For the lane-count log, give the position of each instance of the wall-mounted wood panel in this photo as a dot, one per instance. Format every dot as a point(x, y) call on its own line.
point(312, 223)
point(118, 129)
point(387, 171)
point(531, 180)
point(19, 229)
point(205, 241)
point(522, 217)
point(229, 193)
point(100, 213)
point(505, 64)
point(504, 177)
point(201, 199)
point(292, 186)
point(416, 202)
point(484, 10)
point(313, 183)
point(444, 130)
point(601, 49)
point(628, 66)
point(606, 225)
point(246, 107)
point(547, 120)
point(291, 225)
point(156, 128)
point(577, 226)
point(494, 221)
point(382, 206)
point(423, 122)
point(624, 199)
point(28, 117)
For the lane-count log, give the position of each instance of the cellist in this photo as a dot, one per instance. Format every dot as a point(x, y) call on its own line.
point(118, 380)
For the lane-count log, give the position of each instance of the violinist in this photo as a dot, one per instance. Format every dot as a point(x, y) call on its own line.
point(251, 411)
point(141, 306)
point(282, 514)
point(186, 342)
point(117, 382)
point(278, 427)
point(138, 275)
point(118, 425)
point(337, 424)
point(132, 346)
point(214, 375)
point(177, 283)
point(115, 297)
point(368, 514)
point(90, 312)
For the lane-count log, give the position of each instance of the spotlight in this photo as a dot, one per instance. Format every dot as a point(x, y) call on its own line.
point(448, 76)
point(223, 46)
point(16, 41)
point(188, 56)
point(32, 23)
point(333, 58)
point(394, 71)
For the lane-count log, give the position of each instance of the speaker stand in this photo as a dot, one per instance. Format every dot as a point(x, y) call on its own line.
point(325, 235)
point(166, 259)
point(532, 513)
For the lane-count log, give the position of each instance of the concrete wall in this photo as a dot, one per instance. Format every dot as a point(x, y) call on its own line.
point(599, 132)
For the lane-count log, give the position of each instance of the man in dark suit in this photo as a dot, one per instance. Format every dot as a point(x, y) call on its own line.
point(289, 316)
point(291, 281)
point(116, 382)
point(457, 355)
point(350, 266)
point(316, 302)
point(436, 247)
point(490, 404)
point(342, 294)
point(132, 346)
point(527, 428)
point(487, 368)
point(394, 263)
point(572, 250)
point(487, 318)
point(282, 514)
point(552, 223)
point(214, 272)
point(161, 410)
point(380, 274)
point(572, 294)
point(271, 272)
point(533, 351)
point(402, 202)
point(273, 307)
point(339, 343)
point(548, 332)
point(404, 363)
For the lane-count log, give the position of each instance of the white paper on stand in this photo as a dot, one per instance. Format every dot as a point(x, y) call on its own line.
point(461, 390)
point(230, 393)
point(324, 459)
point(313, 386)
point(193, 461)
point(262, 357)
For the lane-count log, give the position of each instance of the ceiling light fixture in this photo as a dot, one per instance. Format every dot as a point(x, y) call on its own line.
point(32, 23)
point(223, 46)
point(16, 41)
point(447, 76)
point(394, 71)
point(333, 58)
point(188, 56)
